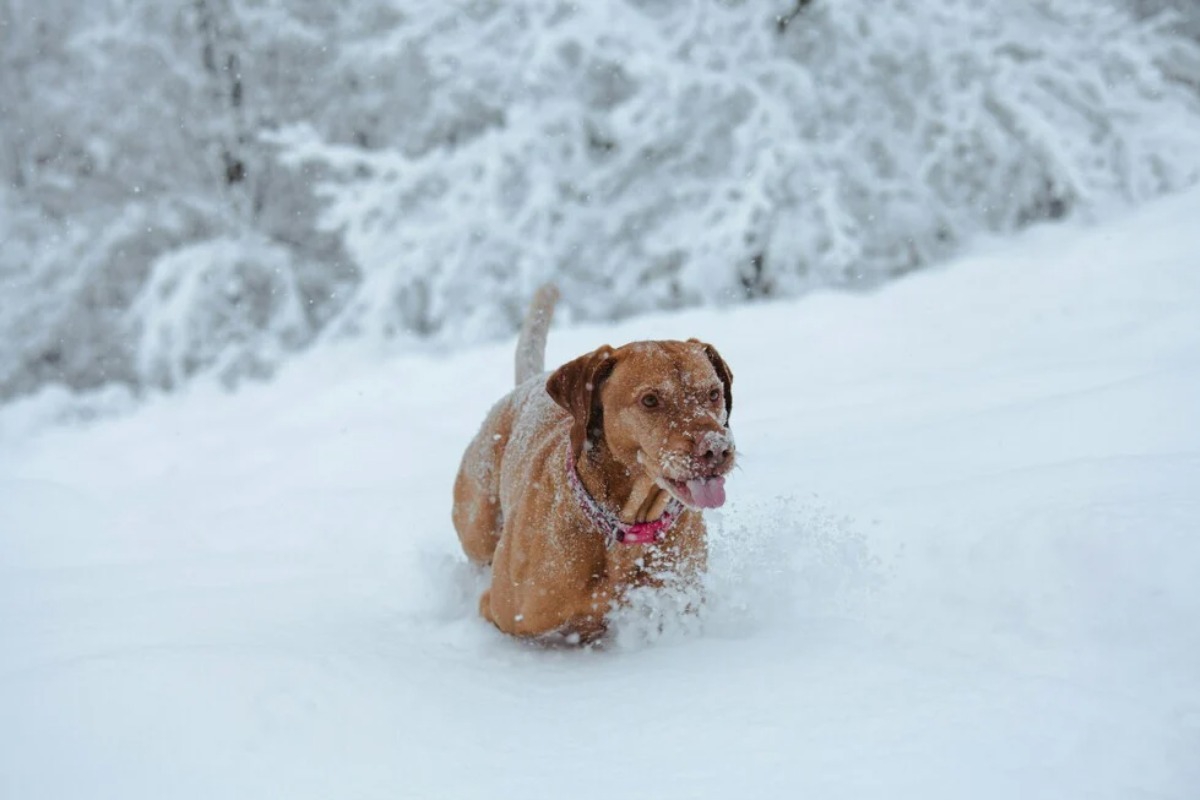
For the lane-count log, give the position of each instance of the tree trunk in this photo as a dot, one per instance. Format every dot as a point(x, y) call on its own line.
point(221, 46)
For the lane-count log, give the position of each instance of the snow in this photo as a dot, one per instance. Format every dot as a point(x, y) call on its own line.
point(959, 560)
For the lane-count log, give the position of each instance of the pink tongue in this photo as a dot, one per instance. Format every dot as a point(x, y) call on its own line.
point(707, 492)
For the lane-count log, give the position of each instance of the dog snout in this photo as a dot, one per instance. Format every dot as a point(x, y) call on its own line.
point(713, 450)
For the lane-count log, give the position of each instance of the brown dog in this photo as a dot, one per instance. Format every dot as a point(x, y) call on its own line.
point(586, 483)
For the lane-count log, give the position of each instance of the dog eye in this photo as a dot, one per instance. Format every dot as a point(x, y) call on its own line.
point(714, 395)
point(650, 401)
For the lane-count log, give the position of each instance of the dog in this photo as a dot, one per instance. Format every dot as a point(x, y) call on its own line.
point(590, 481)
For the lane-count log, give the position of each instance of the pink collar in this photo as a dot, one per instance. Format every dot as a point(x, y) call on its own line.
point(613, 528)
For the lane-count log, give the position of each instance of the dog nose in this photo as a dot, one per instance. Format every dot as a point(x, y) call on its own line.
point(714, 449)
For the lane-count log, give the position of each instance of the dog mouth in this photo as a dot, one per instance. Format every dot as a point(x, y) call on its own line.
point(697, 492)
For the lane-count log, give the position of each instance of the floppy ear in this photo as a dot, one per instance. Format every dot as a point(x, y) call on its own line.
point(723, 372)
point(576, 387)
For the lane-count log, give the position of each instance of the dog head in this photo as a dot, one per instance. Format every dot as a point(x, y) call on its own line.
point(661, 407)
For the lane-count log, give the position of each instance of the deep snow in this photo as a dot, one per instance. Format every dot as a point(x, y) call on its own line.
point(961, 559)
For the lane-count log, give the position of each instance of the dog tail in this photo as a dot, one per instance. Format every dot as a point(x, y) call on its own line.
point(531, 347)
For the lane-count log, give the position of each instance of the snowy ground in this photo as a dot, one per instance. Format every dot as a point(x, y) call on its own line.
point(961, 559)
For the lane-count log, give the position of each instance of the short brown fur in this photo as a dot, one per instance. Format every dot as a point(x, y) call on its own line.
point(553, 572)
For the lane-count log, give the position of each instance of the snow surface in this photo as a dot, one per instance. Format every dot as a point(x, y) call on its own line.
point(960, 559)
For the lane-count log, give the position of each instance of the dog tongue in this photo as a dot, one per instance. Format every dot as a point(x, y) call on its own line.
point(707, 492)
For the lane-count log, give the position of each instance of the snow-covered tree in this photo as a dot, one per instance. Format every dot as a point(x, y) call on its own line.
point(214, 184)
point(135, 129)
point(651, 155)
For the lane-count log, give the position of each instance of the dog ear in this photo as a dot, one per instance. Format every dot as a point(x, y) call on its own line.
point(723, 372)
point(576, 387)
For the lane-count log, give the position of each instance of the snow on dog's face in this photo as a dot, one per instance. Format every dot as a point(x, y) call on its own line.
point(660, 406)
